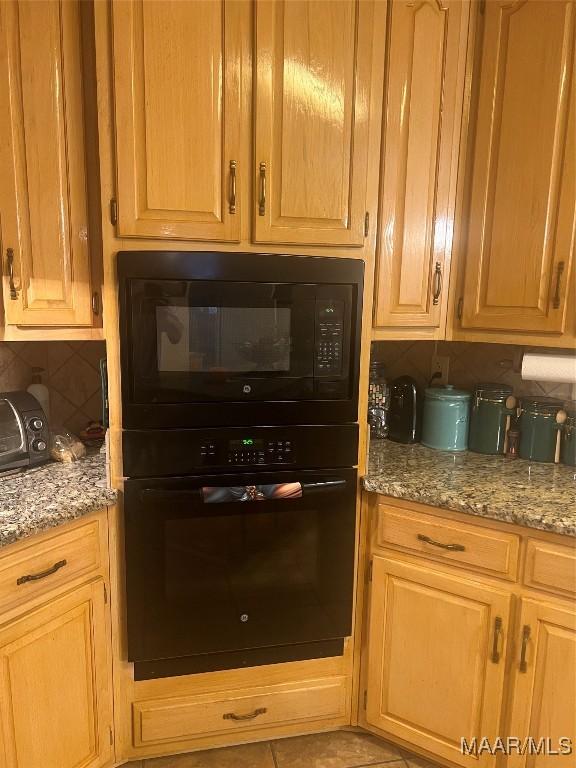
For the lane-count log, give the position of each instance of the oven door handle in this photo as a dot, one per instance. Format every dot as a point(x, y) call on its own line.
point(222, 494)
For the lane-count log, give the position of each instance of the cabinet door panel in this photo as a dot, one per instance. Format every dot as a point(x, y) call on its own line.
point(55, 685)
point(177, 90)
point(544, 702)
point(42, 163)
point(523, 202)
point(431, 677)
point(313, 66)
point(421, 121)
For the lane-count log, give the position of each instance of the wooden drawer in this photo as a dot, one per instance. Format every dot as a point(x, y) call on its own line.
point(51, 562)
point(481, 549)
point(179, 719)
point(550, 567)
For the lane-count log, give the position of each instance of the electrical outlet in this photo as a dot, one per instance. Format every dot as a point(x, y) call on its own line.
point(440, 367)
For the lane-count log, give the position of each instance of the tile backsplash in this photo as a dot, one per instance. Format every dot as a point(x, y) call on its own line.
point(71, 373)
point(470, 363)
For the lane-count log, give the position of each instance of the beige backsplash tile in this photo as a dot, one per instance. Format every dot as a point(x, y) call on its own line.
point(71, 373)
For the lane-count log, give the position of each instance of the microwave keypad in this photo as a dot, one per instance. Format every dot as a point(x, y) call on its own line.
point(329, 354)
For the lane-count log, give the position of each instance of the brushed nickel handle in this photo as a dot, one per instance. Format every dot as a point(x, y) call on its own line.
point(232, 207)
point(42, 574)
point(437, 283)
point(10, 262)
point(96, 303)
point(495, 642)
point(249, 716)
point(525, 638)
point(451, 547)
point(559, 273)
point(262, 198)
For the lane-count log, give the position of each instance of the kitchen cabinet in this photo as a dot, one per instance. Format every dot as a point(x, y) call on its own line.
point(544, 684)
point(436, 657)
point(313, 64)
point(178, 114)
point(47, 277)
point(54, 663)
point(519, 246)
point(422, 110)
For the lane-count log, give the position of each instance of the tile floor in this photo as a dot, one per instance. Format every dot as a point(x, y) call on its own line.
point(338, 749)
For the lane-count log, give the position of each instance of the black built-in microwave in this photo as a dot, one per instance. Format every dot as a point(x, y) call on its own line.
point(210, 338)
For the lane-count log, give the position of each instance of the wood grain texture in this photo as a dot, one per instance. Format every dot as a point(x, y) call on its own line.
point(423, 102)
point(177, 71)
point(523, 180)
point(550, 567)
point(544, 703)
point(42, 162)
point(312, 107)
point(430, 676)
point(55, 684)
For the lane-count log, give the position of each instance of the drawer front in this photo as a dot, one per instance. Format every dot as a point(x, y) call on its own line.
point(48, 564)
point(179, 719)
point(550, 567)
point(490, 552)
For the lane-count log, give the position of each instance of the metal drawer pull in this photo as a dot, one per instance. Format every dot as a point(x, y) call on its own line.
point(232, 207)
point(249, 716)
point(525, 638)
point(10, 260)
point(497, 633)
point(559, 273)
point(262, 200)
point(42, 574)
point(437, 283)
point(451, 547)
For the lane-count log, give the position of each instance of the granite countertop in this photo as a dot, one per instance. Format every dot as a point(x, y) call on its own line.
point(37, 499)
point(535, 495)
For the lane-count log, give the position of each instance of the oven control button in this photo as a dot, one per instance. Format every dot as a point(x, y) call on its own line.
point(36, 424)
point(39, 445)
point(244, 618)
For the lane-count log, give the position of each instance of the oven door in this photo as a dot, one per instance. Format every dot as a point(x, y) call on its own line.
point(220, 564)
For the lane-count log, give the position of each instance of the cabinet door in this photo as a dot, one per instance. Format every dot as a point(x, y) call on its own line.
point(42, 165)
point(544, 689)
point(55, 685)
point(523, 202)
point(424, 88)
point(433, 677)
point(312, 100)
point(178, 112)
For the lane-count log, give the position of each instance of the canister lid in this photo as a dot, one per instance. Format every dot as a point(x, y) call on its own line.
point(544, 405)
point(493, 389)
point(447, 392)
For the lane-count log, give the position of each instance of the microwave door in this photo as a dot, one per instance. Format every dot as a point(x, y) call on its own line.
point(12, 438)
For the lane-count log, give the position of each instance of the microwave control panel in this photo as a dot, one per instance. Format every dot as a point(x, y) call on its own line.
point(247, 451)
point(329, 337)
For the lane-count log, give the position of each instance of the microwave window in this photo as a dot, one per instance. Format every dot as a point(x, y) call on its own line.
point(223, 339)
point(11, 438)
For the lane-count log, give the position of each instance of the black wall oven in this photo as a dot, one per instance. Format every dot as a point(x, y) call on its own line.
point(237, 338)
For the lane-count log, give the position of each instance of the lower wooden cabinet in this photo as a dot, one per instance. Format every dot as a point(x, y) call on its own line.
point(436, 657)
point(544, 682)
point(55, 695)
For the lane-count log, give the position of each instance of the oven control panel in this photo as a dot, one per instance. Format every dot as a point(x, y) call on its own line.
point(246, 451)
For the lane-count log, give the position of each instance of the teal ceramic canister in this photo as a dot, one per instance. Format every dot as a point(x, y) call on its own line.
point(568, 440)
point(538, 428)
point(489, 417)
point(446, 418)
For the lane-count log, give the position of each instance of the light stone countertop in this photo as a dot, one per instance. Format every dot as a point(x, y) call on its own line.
point(535, 495)
point(35, 500)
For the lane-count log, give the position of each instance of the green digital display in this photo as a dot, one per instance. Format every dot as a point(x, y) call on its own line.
point(247, 441)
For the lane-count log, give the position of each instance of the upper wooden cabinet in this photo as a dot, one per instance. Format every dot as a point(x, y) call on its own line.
point(43, 209)
point(178, 113)
point(313, 63)
point(422, 110)
point(522, 213)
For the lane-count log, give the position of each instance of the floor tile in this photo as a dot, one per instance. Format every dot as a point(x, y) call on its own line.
point(413, 761)
point(245, 756)
point(339, 749)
